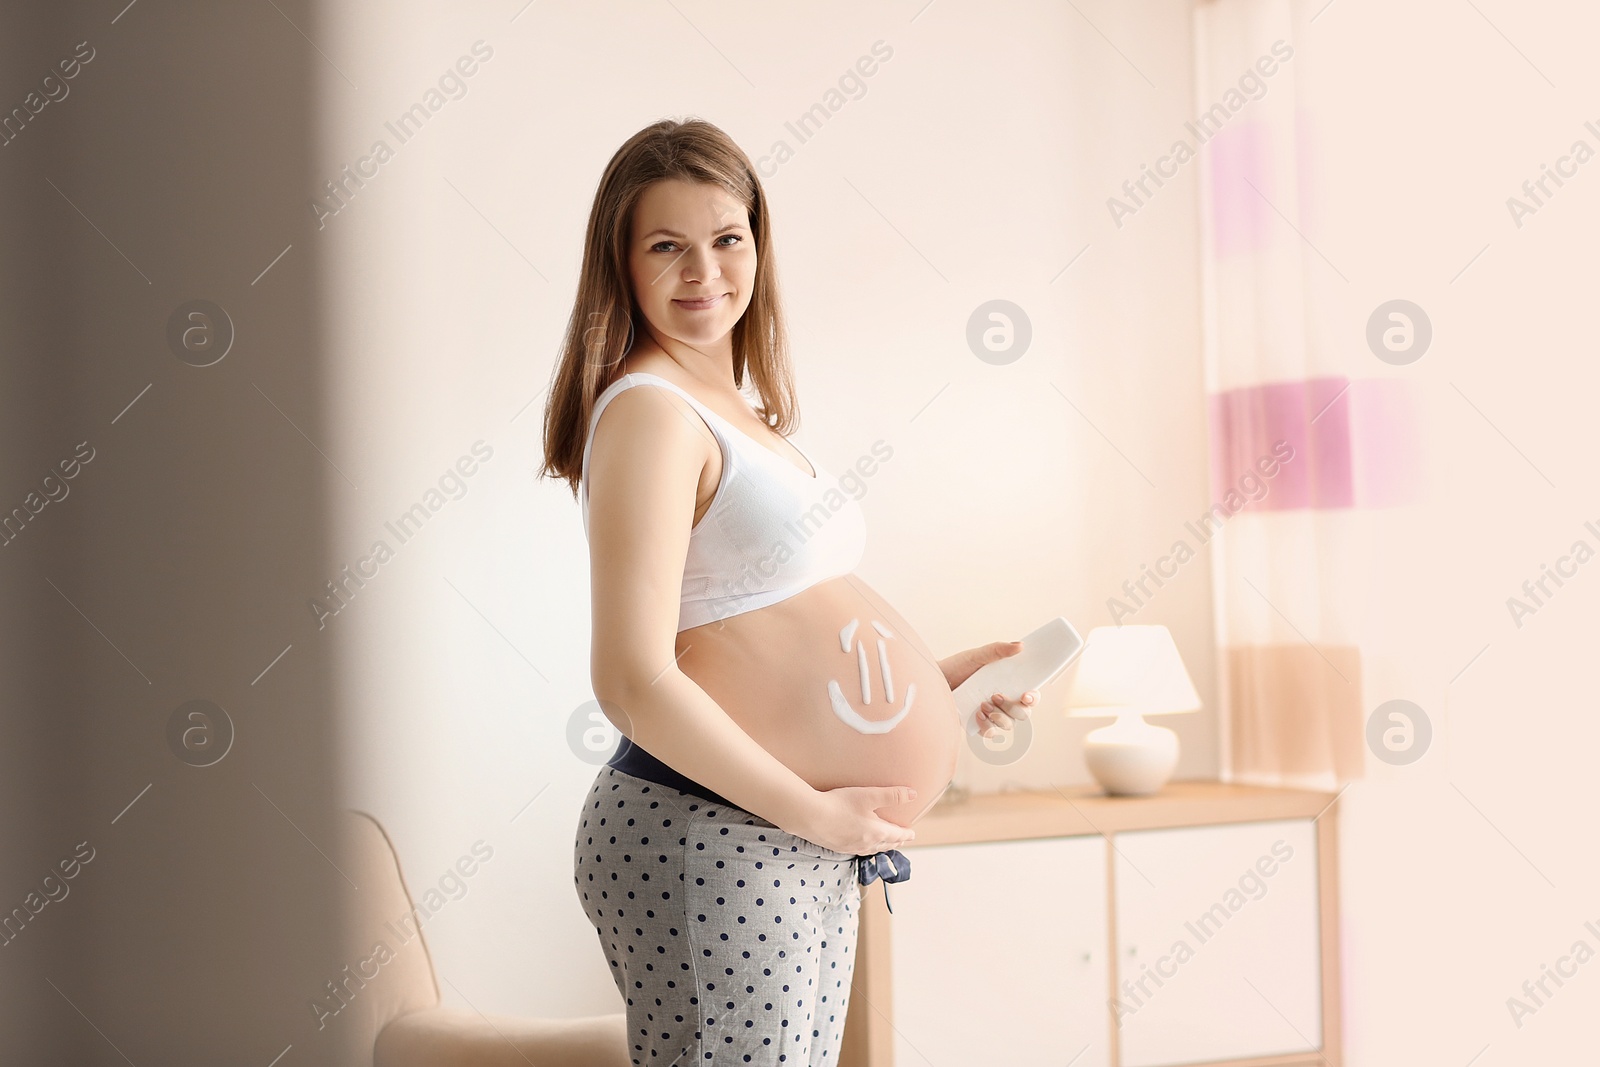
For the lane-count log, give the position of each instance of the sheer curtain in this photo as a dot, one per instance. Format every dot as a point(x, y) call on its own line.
point(1310, 430)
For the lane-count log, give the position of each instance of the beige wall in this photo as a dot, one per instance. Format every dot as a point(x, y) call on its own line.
point(1467, 872)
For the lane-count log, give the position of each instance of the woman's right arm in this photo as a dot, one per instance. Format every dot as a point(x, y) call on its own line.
point(643, 474)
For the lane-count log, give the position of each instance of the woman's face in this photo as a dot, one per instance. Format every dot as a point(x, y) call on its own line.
point(691, 241)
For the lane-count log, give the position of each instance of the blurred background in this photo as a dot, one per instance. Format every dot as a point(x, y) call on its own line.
point(284, 282)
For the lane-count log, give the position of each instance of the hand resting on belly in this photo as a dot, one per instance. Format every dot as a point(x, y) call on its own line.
point(837, 685)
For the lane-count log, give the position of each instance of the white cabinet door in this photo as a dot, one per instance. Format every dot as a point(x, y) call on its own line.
point(1217, 942)
point(999, 955)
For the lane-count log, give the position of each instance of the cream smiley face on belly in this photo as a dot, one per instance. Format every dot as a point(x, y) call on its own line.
point(842, 707)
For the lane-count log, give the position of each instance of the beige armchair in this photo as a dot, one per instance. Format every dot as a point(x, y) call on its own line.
point(401, 1009)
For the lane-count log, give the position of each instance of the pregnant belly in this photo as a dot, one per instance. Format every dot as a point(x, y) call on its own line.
point(836, 685)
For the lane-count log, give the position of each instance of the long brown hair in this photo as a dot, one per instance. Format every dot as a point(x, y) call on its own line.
point(606, 317)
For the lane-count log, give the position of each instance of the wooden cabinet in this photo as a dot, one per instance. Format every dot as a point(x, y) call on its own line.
point(1003, 935)
point(1217, 938)
point(1070, 928)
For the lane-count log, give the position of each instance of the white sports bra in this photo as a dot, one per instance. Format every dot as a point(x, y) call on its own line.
point(771, 530)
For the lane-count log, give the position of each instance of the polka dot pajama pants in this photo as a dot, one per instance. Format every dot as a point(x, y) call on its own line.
point(730, 940)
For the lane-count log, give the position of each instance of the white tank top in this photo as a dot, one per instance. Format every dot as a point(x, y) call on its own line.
point(771, 530)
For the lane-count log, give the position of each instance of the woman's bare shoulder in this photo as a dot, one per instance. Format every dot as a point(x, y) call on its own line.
point(646, 427)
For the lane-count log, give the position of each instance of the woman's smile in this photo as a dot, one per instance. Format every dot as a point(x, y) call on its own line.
point(700, 303)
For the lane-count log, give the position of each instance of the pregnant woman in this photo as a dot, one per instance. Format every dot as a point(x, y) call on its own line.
point(783, 725)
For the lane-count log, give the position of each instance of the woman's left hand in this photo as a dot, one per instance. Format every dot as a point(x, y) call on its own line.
point(999, 711)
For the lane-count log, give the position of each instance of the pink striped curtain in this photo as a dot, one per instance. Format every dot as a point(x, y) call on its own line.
point(1310, 430)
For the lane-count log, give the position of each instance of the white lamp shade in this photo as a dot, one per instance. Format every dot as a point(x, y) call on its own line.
point(1130, 669)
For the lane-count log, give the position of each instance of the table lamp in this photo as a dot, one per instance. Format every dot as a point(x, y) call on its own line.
point(1130, 672)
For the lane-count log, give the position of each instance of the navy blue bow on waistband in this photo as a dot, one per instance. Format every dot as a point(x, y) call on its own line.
point(891, 866)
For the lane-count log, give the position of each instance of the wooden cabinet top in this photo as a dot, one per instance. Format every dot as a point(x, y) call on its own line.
point(1073, 810)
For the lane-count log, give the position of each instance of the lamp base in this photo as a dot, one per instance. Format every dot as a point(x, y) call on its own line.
point(1131, 757)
